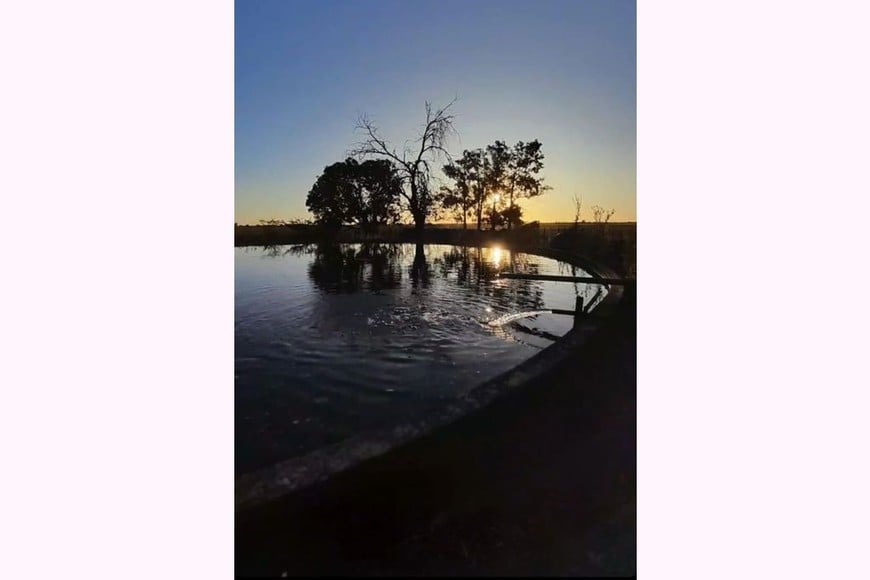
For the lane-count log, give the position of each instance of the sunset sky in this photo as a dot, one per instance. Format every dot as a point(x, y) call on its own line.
point(562, 72)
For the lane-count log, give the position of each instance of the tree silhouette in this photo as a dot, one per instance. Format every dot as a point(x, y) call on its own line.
point(512, 214)
point(491, 183)
point(578, 205)
point(498, 174)
point(467, 192)
point(349, 192)
point(521, 179)
point(601, 215)
point(414, 164)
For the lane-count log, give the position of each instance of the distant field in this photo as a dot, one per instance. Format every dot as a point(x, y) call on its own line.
point(544, 225)
point(447, 225)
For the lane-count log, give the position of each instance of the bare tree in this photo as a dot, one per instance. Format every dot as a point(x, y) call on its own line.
point(578, 203)
point(601, 215)
point(416, 161)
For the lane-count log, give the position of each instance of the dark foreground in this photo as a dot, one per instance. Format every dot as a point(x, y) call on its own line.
point(541, 482)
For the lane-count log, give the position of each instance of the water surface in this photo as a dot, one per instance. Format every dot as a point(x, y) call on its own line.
point(334, 340)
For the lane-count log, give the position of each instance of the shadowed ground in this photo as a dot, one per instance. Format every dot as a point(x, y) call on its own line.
point(541, 482)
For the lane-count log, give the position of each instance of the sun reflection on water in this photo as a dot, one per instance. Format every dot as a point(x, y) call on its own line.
point(497, 257)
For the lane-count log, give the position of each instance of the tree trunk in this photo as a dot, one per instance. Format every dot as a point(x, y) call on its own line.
point(416, 211)
point(511, 220)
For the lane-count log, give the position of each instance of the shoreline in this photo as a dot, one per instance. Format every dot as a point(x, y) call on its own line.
point(612, 246)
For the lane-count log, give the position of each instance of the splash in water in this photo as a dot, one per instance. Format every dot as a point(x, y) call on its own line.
point(502, 320)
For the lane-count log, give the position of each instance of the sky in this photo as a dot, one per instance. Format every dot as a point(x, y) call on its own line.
point(562, 72)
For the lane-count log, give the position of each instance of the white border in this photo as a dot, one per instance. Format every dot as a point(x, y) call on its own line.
point(752, 205)
point(117, 180)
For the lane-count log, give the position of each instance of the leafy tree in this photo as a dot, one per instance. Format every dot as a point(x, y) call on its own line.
point(377, 198)
point(453, 200)
point(498, 175)
point(494, 218)
point(467, 196)
point(467, 193)
point(512, 215)
point(493, 182)
point(349, 192)
point(414, 163)
point(521, 179)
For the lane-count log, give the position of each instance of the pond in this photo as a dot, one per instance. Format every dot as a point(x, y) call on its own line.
point(334, 340)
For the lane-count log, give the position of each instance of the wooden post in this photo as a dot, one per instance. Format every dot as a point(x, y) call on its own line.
point(578, 311)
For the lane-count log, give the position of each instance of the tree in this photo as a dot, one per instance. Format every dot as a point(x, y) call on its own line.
point(578, 204)
point(377, 199)
point(496, 173)
point(520, 179)
point(494, 218)
point(414, 164)
point(601, 215)
point(453, 200)
point(512, 215)
point(496, 179)
point(466, 194)
point(349, 192)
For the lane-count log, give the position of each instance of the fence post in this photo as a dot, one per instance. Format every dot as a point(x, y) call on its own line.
point(578, 311)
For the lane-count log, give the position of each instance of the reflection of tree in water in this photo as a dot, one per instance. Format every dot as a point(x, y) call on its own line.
point(301, 249)
point(478, 272)
point(419, 270)
point(345, 268)
point(350, 268)
point(455, 260)
point(270, 251)
point(277, 251)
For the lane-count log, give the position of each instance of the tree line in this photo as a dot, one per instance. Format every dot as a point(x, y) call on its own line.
point(378, 184)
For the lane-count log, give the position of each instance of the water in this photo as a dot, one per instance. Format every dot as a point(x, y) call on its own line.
point(334, 340)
